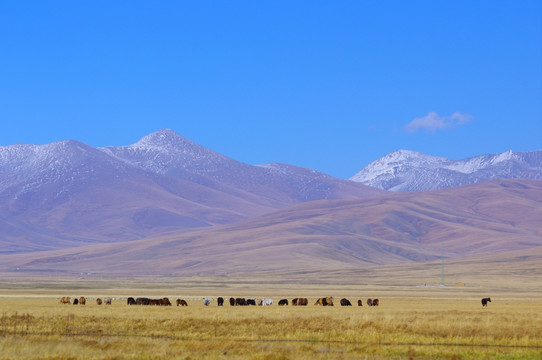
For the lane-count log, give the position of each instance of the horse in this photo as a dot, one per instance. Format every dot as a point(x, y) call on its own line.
point(485, 301)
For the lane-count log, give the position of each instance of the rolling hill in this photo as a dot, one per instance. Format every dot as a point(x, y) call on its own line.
point(329, 235)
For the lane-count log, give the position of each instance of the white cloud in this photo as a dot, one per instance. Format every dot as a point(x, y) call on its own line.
point(433, 121)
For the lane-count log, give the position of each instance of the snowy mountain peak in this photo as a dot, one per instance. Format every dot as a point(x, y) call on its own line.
point(164, 151)
point(405, 170)
point(164, 138)
point(401, 156)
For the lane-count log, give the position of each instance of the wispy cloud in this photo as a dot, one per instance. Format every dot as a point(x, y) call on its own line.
point(433, 122)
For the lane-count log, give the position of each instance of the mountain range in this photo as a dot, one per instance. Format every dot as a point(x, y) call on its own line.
point(405, 170)
point(68, 193)
point(166, 205)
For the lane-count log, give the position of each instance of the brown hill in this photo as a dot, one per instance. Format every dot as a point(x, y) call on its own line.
point(67, 193)
point(341, 235)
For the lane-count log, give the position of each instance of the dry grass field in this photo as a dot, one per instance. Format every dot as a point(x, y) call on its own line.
point(414, 323)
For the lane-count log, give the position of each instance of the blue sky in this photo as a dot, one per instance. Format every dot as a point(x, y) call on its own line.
point(326, 85)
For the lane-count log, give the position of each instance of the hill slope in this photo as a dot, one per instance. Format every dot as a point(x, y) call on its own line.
point(489, 218)
point(67, 193)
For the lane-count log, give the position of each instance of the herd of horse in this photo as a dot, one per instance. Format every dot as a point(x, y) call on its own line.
point(82, 300)
point(324, 301)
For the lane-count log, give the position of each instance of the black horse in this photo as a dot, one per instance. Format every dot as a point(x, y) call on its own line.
point(485, 301)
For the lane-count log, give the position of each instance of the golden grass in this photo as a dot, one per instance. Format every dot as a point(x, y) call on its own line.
point(408, 327)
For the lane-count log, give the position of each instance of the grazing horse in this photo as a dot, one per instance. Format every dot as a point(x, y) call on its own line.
point(300, 302)
point(485, 301)
point(99, 301)
point(143, 301)
point(181, 302)
point(165, 302)
point(327, 301)
point(108, 301)
point(75, 301)
point(321, 301)
point(251, 302)
point(65, 300)
point(240, 301)
point(130, 301)
point(82, 300)
point(360, 303)
point(345, 302)
point(232, 301)
point(268, 302)
point(206, 301)
point(220, 301)
point(375, 302)
point(283, 302)
point(370, 302)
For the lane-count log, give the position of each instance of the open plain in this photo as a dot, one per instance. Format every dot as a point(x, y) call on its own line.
point(411, 322)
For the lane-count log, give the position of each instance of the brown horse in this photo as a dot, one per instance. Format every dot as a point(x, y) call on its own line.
point(327, 301)
point(181, 302)
point(165, 302)
point(360, 303)
point(82, 300)
point(65, 300)
point(99, 301)
point(300, 302)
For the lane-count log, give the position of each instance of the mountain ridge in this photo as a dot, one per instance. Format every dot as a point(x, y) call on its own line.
point(70, 192)
point(405, 170)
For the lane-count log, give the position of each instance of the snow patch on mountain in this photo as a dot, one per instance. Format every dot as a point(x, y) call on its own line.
point(405, 170)
point(164, 150)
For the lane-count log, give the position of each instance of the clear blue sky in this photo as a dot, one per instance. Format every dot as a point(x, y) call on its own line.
point(326, 85)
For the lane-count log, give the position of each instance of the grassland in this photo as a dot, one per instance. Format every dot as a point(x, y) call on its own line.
point(416, 323)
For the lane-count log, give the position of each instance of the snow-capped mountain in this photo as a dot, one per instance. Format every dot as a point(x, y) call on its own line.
point(67, 193)
point(412, 171)
point(165, 150)
point(167, 153)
